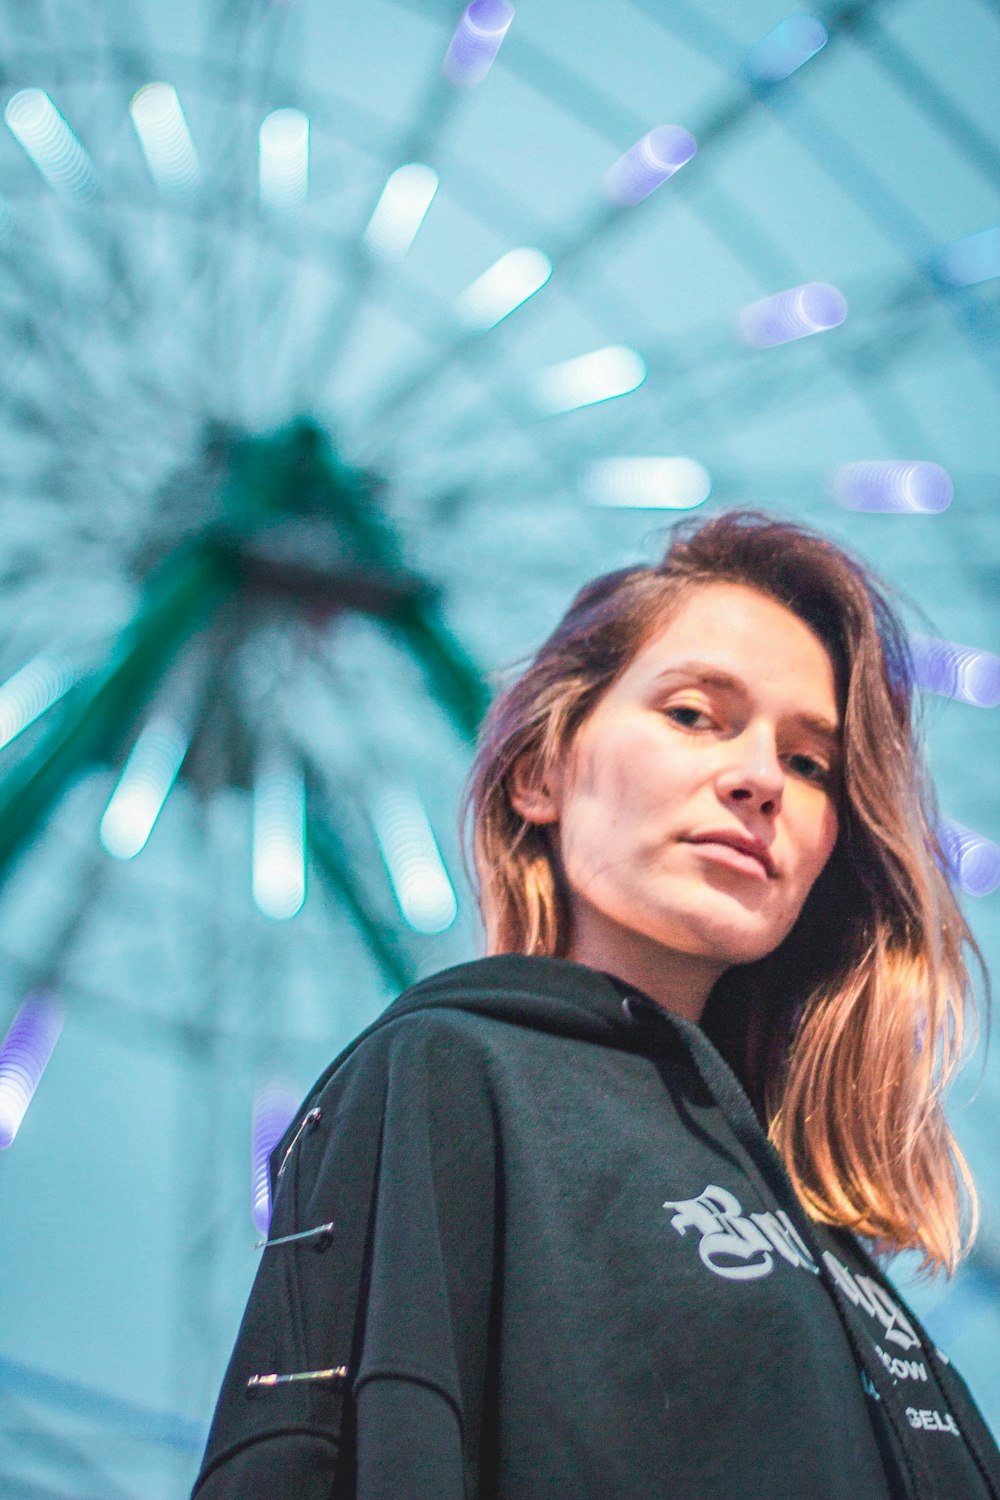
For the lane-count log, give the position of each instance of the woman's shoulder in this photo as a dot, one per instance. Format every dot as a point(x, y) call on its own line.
point(477, 1012)
point(426, 1027)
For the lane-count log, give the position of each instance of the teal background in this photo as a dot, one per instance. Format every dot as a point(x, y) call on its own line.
point(134, 328)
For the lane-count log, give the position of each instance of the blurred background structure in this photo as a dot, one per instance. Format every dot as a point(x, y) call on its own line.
point(341, 343)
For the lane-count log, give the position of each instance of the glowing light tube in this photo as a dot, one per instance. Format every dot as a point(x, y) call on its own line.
point(143, 788)
point(955, 671)
point(279, 839)
point(970, 260)
point(796, 313)
point(416, 871)
point(35, 688)
point(904, 486)
point(508, 283)
point(165, 139)
point(791, 43)
point(400, 211)
point(604, 373)
point(274, 1107)
point(478, 38)
point(24, 1054)
point(972, 858)
point(57, 153)
point(655, 157)
point(283, 160)
point(647, 483)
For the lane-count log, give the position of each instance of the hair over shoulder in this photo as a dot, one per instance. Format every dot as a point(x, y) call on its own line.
point(847, 1035)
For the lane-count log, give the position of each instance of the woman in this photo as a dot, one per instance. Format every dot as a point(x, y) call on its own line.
point(579, 1219)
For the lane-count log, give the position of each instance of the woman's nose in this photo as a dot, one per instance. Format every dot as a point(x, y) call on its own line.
point(753, 774)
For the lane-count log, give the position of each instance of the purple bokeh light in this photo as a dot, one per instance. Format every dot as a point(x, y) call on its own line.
point(477, 39)
point(795, 313)
point(24, 1053)
point(973, 860)
point(903, 486)
point(785, 48)
point(656, 156)
point(274, 1107)
point(956, 671)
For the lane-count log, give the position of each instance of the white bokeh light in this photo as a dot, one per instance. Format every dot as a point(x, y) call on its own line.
point(165, 139)
point(26, 695)
point(599, 376)
point(283, 160)
point(143, 788)
point(647, 483)
point(417, 873)
point(400, 211)
point(508, 283)
point(279, 850)
point(46, 137)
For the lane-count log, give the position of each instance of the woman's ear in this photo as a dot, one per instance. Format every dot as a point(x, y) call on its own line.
point(534, 796)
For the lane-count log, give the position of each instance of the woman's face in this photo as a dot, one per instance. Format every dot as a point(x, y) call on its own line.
point(698, 803)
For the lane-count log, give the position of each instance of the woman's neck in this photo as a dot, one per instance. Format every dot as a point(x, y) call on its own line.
point(680, 982)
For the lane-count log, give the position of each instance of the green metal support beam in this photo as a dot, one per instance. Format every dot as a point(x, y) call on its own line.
point(180, 600)
point(333, 865)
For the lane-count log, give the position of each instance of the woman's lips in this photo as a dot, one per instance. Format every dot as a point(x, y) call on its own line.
point(740, 860)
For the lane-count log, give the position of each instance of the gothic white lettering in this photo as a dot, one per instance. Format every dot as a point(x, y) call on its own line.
point(742, 1247)
point(735, 1245)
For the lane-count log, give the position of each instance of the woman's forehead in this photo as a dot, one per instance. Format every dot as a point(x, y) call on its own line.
point(731, 632)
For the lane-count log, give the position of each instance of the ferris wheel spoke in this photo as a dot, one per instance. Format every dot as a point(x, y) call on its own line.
point(333, 865)
point(100, 710)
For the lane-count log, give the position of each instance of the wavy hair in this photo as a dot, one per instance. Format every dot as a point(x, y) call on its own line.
point(847, 1034)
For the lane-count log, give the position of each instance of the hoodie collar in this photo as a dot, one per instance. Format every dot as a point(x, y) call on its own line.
point(547, 994)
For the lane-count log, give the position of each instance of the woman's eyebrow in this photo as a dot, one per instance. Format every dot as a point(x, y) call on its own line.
point(820, 725)
point(711, 675)
point(705, 672)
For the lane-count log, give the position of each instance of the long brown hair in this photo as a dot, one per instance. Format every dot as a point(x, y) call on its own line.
point(848, 1033)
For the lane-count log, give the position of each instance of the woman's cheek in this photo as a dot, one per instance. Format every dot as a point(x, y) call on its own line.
point(831, 827)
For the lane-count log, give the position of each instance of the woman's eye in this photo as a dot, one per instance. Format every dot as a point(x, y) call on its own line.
point(808, 767)
point(688, 717)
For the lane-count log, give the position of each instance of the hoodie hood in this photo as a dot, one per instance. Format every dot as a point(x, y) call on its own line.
point(550, 995)
point(545, 994)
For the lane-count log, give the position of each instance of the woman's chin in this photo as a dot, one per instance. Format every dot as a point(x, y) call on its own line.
point(726, 943)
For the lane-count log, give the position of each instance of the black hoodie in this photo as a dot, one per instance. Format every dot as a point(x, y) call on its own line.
point(529, 1240)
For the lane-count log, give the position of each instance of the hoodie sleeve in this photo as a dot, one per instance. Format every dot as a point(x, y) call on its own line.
point(385, 1318)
